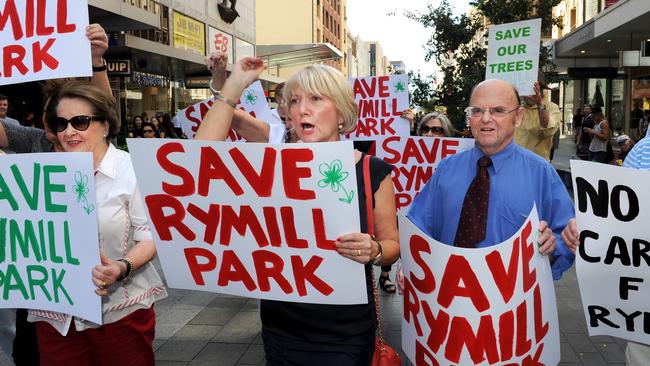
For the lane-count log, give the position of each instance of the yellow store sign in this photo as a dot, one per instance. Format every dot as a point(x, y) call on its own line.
point(189, 34)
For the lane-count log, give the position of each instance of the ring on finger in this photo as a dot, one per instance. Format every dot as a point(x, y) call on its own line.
point(103, 285)
point(358, 252)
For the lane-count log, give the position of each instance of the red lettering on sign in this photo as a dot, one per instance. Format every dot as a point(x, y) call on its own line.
point(292, 173)
point(261, 183)
point(10, 12)
point(12, 56)
point(40, 56)
point(304, 273)
point(438, 325)
point(211, 167)
point(210, 219)
point(504, 279)
point(523, 344)
point(272, 226)
point(459, 270)
point(319, 231)
point(427, 284)
point(541, 327)
point(290, 229)
point(383, 87)
point(423, 357)
point(233, 270)
point(527, 253)
point(208, 263)
point(186, 188)
point(156, 204)
point(449, 147)
point(62, 25)
point(479, 345)
point(246, 219)
point(506, 334)
point(269, 265)
point(411, 306)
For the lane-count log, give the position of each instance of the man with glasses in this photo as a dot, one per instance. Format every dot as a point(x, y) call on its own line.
point(482, 196)
point(540, 122)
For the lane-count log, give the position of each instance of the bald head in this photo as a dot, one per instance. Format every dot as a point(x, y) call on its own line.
point(498, 87)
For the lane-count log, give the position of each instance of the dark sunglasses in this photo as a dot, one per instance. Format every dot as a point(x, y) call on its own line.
point(79, 123)
point(434, 129)
point(147, 131)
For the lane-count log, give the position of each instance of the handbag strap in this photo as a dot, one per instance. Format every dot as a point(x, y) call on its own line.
point(371, 230)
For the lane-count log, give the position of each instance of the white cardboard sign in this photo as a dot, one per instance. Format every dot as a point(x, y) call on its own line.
point(482, 306)
point(37, 38)
point(48, 234)
point(513, 54)
point(612, 261)
point(254, 220)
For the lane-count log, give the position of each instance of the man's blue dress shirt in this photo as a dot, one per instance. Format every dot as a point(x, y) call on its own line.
point(518, 178)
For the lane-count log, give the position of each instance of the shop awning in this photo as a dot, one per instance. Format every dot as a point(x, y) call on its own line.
point(117, 15)
point(597, 42)
point(284, 55)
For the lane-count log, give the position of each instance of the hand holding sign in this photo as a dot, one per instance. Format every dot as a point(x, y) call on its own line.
point(546, 241)
point(570, 235)
point(245, 71)
point(356, 246)
point(98, 42)
point(105, 274)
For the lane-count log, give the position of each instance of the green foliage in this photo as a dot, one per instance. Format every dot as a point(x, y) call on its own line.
point(421, 91)
point(459, 46)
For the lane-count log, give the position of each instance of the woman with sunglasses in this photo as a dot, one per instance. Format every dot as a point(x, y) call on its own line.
point(148, 130)
point(435, 124)
point(85, 119)
point(321, 105)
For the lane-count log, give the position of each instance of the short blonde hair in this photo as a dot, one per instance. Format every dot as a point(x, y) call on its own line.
point(323, 80)
point(444, 121)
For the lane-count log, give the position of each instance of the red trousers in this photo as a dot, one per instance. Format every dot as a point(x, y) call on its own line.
point(129, 341)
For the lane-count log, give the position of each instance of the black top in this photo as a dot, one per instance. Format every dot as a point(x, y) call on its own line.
point(587, 121)
point(330, 323)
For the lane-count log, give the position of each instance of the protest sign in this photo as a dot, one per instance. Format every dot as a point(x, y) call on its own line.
point(48, 234)
point(252, 101)
point(478, 306)
point(255, 220)
point(513, 54)
point(612, 262)
point(36, 39)
point(414, 161)
point(381, 100)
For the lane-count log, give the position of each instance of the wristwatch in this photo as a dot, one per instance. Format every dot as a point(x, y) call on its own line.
point(377, 259)
point(541, 107)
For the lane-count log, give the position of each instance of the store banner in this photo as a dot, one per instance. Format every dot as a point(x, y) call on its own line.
point(478, 306)
point(37, 38)
point(221, 41)
point(513, 54)
point(414, 161)
point(189, 34)
point(252, 101)
point(381, 100)
point(48, 234)
point(612, 214)
point(253, 220)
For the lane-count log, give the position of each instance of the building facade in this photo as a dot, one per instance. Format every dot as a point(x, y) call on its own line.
point(296, 33)
point(600, 51)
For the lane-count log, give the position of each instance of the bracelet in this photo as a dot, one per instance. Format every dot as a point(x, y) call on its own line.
point(104, 67)
point(225, 100)
point(377, 260)
point(126, 277)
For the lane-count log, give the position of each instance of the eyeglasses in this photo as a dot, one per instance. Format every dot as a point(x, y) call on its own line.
point(435, 129)
point(79, 123)
point(498, 112)
point(147, 131)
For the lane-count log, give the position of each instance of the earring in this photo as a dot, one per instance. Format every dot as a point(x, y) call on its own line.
point(340, 127)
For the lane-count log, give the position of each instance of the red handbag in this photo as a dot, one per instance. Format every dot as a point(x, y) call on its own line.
point(384, 354)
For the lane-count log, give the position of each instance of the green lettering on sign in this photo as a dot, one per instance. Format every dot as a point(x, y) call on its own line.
point(50, 187)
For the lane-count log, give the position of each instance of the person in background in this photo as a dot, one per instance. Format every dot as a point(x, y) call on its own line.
point(156, 125)
point(625, 144)
point(435, 124)
point(584, 139)
point(84, 118)
point(321, 105)
point(599, 137)
point(4, 107)
point(577, 124)
point(148, 130)
point(145, 117)
point(137, 126)
point(166, 129)
point(636, 118)
point(643, 128)
point(541, 121)
point(556, 144)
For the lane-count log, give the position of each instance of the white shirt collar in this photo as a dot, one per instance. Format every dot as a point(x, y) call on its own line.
point(108, 163)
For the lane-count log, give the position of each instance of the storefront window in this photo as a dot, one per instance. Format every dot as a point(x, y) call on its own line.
point(641, 92)
point(617, 109)
point(147, 93)
point(597, 93)
point(569, 108)
point(184, 98)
